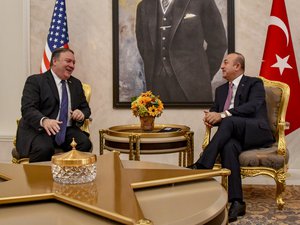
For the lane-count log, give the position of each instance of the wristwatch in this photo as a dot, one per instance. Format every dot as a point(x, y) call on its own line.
point(223, 115)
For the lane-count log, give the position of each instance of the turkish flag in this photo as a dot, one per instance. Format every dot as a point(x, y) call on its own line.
point(279, 61)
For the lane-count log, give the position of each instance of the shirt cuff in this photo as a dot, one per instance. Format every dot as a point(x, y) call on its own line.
point(41, 121)
point(228, 113)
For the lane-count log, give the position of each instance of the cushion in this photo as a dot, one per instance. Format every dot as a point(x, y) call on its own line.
point(273, 97)
point(266, 157)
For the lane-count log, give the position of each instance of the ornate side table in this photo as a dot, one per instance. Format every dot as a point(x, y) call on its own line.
point(164, 139)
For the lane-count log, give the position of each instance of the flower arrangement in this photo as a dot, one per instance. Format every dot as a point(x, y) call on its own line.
point(147, 104)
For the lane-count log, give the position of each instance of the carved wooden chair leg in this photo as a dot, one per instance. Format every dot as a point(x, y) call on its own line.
point(280, 187)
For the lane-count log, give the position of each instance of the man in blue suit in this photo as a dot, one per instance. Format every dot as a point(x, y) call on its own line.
point(41, 108)
point(242, 124)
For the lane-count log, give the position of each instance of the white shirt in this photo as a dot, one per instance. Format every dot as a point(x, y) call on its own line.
point(165, 10)
point(236, 83)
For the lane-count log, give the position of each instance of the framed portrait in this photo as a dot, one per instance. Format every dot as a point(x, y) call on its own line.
point(174, 50)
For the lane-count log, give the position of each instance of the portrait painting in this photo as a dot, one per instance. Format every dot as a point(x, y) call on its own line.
point(173, 48)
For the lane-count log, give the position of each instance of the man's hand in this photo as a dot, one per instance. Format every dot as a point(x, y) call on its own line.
point(77, 115)
point(51, 126)
point(211, 118)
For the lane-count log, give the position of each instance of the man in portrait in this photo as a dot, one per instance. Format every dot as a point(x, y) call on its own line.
point(182, 44)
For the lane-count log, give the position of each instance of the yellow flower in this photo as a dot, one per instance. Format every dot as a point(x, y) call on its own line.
point(153, 111)
point(147, 104)
point(147, 94)
point(160, 105)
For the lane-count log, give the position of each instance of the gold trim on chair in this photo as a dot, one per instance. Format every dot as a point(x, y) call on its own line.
point(278, 125)
point(87, 92)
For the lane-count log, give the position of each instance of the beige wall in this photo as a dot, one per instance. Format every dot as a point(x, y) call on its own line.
point(90, 31)
point(13, 62)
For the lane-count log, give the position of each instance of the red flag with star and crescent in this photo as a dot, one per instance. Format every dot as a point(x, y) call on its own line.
point(279, 61)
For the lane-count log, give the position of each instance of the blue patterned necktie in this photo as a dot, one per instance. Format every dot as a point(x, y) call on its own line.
point(63, 115)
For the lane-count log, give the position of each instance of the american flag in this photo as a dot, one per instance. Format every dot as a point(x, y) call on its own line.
point(58, 34)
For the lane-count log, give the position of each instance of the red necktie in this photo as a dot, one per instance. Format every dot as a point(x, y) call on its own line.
point(229, 96)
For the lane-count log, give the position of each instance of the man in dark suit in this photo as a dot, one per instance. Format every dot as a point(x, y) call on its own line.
point(182, 44)
point(240, 113)
point(42, 127)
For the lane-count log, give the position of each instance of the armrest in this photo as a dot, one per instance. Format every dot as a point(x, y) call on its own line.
point(85, 125)
point(282, 126)
point(207, 137)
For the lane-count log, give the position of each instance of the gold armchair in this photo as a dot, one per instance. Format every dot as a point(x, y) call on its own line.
point(85, 127)
point(272, 161)
point(87, 92)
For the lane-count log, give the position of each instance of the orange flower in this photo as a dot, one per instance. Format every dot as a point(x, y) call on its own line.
point(147, 104)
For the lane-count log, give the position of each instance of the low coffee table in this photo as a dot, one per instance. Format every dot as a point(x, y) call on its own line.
point(164, 139)
point(124, 192)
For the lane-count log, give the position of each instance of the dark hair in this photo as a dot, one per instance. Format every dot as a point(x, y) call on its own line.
point(240, 59)
point(56, 53)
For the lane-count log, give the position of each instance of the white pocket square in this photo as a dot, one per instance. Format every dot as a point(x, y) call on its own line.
point(189, 15)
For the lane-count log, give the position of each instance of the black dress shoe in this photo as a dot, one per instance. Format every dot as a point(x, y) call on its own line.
point(236, 209)
point(196, 166)
point(192, 166)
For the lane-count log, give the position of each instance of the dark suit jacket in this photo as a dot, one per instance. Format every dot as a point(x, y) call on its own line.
point(40, 99)
point(194, 22)
point(250, 104)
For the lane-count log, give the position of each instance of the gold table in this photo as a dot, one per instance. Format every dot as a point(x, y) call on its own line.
point(124, 192)
point(164, 139)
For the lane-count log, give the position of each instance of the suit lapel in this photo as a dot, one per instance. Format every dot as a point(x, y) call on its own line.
point(224, 93)
point(239, 91)
point(152, 20)
point(179, 9)
point(72, 90)
point(52, 84)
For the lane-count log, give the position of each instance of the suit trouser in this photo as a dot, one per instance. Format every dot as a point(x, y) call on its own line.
point(228, 143)
point(43, 145)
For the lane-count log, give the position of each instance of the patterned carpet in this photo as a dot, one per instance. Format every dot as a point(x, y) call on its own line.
point(262, 209)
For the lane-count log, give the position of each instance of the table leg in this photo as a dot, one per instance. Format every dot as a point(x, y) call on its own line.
point(101, 141)
point(131, 143)
point(190, 148)
point(180, 163)
point(137, 147)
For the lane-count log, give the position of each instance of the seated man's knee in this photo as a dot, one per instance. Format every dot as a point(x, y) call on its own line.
point(228, 120)
point(231, 148)
point(85, 144)
point(42, 148)
point(41, 153)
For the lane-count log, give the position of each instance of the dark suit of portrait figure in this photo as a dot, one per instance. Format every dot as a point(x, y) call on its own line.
point(182, 47)
point(41, 126)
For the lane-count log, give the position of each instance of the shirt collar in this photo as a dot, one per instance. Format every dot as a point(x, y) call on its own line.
point(237, 80)
point(161, 4)
point(56, 78)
